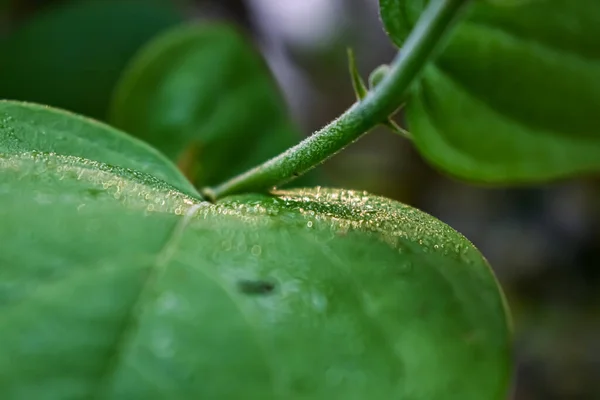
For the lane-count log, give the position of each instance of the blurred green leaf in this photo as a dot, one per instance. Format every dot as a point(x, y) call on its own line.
point(115, 285)
point(377, 75)
point(360, 89)
point(514, 95)
point(203, 96)
point(27, 128)
point(71, 55)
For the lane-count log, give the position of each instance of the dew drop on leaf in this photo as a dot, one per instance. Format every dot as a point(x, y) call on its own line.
point(256, 250)
point(319, 301)
point(162, 344)
point(167, 303)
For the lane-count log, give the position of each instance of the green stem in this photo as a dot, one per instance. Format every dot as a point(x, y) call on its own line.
point(375, 108)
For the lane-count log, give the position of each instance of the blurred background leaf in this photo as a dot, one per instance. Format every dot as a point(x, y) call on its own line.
point(70, 55)
point(514, 96)
point(204, 96)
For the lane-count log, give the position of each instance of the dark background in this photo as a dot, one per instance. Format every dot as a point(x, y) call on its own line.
point(543, 241)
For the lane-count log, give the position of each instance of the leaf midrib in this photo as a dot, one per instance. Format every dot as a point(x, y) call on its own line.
point(129, 327)
point(131, 320)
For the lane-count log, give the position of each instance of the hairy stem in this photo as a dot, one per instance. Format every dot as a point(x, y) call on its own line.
point(372, 110)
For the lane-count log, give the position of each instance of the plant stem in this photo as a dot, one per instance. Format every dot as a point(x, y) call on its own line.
point(374, 109)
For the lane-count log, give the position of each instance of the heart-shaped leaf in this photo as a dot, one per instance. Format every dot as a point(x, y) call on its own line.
point(115, 285)
point(204, 97)
point(71, 56)
point(515, 93)
point(27, 128)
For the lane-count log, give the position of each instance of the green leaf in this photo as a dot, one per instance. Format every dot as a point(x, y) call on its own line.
point(515, 92)
point(204, 97)
point(26, 128)
point(397, 129)
point(114, 285)
point(377, 75)
point(70, 56)
point(360, 89)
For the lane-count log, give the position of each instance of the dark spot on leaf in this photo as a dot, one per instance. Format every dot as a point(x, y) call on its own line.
point(94, 192)
point(257, 287)
point(296, 174)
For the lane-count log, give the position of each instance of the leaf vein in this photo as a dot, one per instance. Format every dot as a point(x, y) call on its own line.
point(130, 322)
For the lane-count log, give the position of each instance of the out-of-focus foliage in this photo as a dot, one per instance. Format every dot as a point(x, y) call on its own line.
point(203, 96)
point(71, 55)
point(515, 93)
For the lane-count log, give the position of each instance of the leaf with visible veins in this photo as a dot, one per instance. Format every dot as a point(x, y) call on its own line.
point(514, 94)
point(114, 284)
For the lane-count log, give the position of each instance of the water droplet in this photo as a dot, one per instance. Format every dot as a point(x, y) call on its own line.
point(319, 301)
point(256, 250)
point(162, 344)
point(167, 303)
